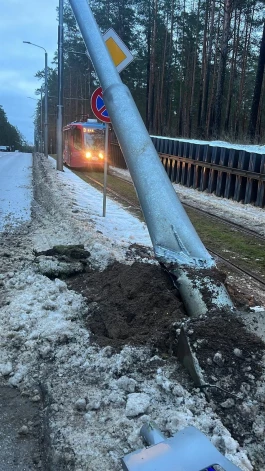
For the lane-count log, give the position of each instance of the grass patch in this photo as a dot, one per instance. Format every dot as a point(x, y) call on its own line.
point(229, 242)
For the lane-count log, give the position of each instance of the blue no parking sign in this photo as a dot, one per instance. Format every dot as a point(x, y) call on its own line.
point(98, 106)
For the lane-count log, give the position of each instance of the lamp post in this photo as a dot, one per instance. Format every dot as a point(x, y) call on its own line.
point(40, 147)
point(59, 129)
point(46, 98)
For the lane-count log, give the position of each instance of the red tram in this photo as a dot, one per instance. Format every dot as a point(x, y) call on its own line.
point(84, 144)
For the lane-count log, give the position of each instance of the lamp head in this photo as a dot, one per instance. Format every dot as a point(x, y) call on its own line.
point(26, 42)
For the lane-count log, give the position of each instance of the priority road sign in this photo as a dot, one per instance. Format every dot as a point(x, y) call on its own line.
point(120, 54)
point(98, 106)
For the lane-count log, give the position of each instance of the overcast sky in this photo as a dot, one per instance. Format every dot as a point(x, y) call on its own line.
point(24, 20)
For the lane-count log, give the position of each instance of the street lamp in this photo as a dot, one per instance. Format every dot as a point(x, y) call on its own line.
point(59, 127)
point(41, 126)
point(46, 98)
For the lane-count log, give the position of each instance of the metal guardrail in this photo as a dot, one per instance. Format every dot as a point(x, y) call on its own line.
point(230, 173)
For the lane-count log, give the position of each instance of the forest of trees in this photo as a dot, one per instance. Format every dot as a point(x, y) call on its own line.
point(197, 73)
point(10, 135)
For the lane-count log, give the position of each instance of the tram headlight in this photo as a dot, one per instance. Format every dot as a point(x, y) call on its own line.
point(101, 156)
point(88, 155)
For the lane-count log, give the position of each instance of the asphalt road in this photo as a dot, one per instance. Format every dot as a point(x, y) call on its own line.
point(20, 432)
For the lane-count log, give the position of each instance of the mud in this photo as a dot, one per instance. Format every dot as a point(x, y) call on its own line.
point(21, 432)
point(231, 359)
point(130, 304)
point(76, 252)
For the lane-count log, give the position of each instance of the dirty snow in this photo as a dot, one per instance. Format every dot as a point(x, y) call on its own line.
point(96, 399)
point(16, 188)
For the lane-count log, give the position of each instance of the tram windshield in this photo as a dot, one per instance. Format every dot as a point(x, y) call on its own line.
point(94, 140)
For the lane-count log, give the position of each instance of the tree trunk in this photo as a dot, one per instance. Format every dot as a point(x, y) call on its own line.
point(161, 101)
point(232, 69)
point(228, 5)
point(257, 89)
point(169, 90)
point(239, 112)
point(210, 107)
point(207, 73)
point(195, 57)
point(152, 71)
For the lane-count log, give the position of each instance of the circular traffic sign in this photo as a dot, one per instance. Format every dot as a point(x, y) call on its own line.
point(98, 106)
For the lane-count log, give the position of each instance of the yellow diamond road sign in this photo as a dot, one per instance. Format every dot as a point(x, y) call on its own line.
point(120, 54)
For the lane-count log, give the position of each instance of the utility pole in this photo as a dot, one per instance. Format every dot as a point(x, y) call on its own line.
point(41, 125)
point(60, 91)
point(46, 108)
point(46, 98)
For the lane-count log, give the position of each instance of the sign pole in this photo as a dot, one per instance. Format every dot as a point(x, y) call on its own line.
point(99, 109)
point(106, 158)
point(59, 129)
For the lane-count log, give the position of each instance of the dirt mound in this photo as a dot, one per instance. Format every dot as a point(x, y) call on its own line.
point(135, 304)
point(231, 359)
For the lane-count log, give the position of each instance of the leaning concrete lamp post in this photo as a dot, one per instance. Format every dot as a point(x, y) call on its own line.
point(45, 100)
point(174, 238)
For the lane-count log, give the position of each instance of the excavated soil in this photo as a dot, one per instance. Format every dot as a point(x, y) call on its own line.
point(130, 304)
point(231, 360)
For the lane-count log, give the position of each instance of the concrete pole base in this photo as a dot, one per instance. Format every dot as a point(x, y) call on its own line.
point(201, 292)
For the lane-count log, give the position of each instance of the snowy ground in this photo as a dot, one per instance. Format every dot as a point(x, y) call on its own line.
point(16, 188)
point(95, 399)
point(248, 148)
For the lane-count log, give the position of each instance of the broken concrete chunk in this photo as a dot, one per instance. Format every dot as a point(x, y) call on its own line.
point(137, 404)
point(218, 359)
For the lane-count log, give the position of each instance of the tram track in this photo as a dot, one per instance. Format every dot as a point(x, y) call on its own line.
point(236, 267)
point(234, 226)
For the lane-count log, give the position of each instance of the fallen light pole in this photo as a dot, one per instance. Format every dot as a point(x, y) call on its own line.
point(187, 450)
point(175, 241)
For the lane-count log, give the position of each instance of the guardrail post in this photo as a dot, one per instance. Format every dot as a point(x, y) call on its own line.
point(205, 171)
point(260, 201)
point(229, 190)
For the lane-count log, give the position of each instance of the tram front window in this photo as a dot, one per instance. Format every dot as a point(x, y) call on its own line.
point(94, 141)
